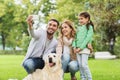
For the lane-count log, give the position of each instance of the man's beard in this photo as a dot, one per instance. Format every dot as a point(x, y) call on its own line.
point(49, 33)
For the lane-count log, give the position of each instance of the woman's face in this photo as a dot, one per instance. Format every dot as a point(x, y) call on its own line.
point(82, 20)
point(66, 30)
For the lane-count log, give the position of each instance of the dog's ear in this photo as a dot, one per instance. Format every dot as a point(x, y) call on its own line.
point(53, 51)
point(46, 59)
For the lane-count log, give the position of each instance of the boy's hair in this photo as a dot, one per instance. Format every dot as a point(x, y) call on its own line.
point(87, 15)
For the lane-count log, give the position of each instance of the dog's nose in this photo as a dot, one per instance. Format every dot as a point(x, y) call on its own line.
point(50, 60)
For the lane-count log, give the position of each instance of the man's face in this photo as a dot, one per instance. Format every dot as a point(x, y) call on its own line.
point(51, 27)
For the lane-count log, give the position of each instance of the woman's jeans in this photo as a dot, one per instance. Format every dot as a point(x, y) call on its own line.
point(83, 66)
point(31, 64)
point(69, 66)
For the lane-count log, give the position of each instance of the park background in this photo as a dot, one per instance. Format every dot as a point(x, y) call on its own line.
point(14, 37)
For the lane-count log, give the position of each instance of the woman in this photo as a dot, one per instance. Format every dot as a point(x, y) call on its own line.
point(64, 48)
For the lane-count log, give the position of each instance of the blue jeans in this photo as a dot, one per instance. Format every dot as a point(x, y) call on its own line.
point(83, 66)
point(31, 64)
point(68, 65)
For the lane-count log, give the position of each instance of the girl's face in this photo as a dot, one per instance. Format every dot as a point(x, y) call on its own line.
point(82, 20)
point(66, 30)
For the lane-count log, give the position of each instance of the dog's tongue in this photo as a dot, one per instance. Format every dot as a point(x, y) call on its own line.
point(51, 64)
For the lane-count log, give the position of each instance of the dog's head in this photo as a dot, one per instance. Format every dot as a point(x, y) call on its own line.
point(53, 60)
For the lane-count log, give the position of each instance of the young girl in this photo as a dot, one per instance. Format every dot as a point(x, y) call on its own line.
point(83, 38)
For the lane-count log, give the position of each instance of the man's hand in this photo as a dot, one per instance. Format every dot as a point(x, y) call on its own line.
point(30, 21)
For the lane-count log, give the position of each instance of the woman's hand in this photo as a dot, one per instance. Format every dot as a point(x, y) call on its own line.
point(76, 50)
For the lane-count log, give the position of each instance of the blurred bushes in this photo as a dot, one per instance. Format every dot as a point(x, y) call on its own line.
point(25, 42)
point(117, 47)
point(99, 44)
point(9, 52)
point(24, 45)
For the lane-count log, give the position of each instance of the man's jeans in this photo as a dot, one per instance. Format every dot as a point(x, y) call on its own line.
point(31, 64)
point(69, 66)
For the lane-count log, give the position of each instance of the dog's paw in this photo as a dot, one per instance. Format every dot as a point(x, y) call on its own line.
point(24, 79)
point(28, 77)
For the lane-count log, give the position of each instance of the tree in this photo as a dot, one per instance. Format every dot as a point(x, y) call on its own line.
point(6, 20)
point(12, 23)
point(107, 16)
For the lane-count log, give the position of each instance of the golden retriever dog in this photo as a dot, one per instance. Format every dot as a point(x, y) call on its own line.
point(52, 70)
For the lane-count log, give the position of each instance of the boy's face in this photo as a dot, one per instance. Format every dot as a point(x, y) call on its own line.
point(82, 20)
point(52, 27)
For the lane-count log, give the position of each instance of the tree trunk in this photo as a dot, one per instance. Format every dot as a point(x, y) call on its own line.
point(3, 40)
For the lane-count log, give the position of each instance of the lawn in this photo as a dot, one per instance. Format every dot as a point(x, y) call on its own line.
point(11, 69)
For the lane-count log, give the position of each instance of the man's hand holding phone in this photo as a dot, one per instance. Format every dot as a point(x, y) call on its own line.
point(30, 21)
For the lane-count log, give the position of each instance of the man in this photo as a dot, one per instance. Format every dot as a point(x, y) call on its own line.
point(41, 44)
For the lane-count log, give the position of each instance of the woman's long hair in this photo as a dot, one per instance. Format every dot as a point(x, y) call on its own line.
point(70, 24)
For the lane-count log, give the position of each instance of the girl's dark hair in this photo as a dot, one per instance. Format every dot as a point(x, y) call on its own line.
point(87, 15)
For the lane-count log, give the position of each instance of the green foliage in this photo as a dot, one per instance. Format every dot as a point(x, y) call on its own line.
point(25, 42)
point(49, 7)
point(98, 43)
point(13, 21)
point(11, 52)
point(2, 9)
point(66, 10)
point(7, 22)
point(117, 46)
point(106, 21)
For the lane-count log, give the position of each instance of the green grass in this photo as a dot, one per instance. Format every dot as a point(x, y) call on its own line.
point(10, 67)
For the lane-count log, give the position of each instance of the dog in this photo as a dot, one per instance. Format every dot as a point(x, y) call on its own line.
point(51, 71)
